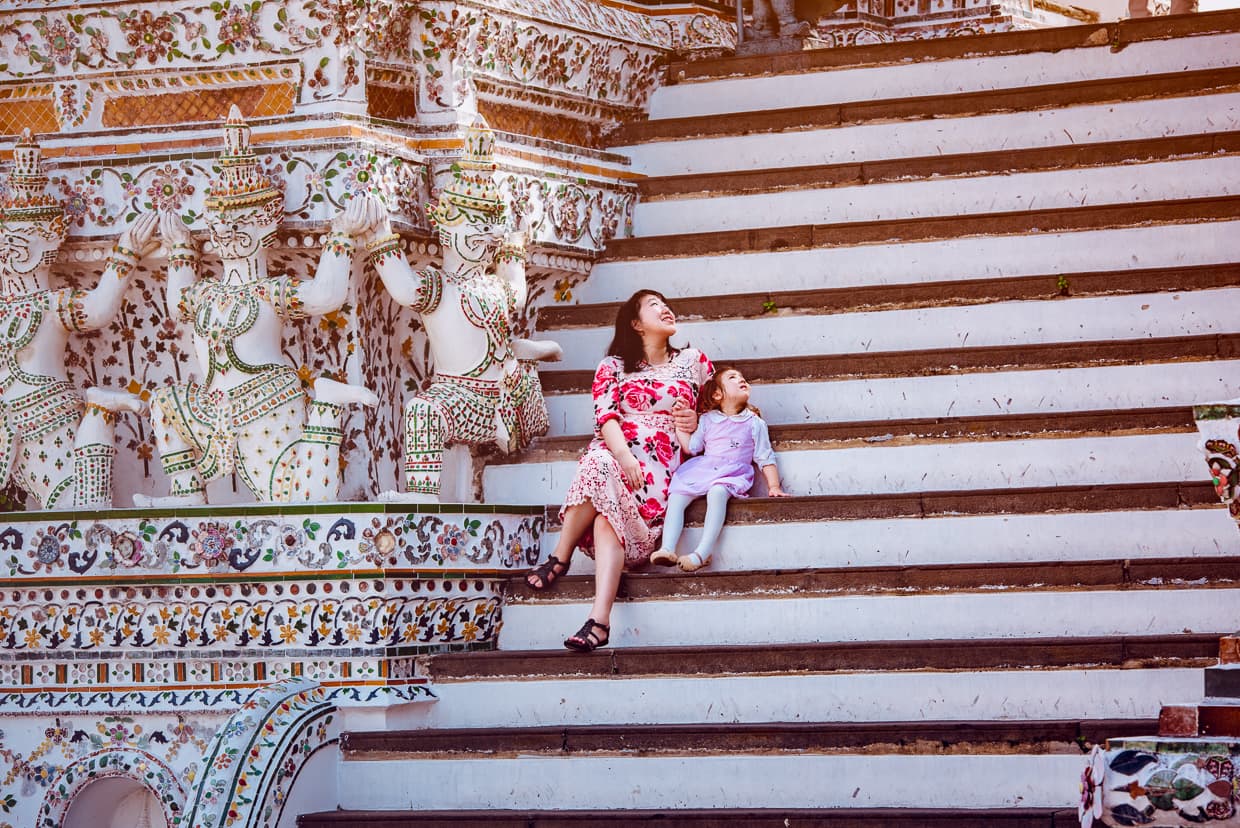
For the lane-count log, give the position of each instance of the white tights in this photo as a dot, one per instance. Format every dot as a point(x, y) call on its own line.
point(716, 511)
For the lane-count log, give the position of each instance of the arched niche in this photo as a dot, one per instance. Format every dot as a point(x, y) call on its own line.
point(116, 802)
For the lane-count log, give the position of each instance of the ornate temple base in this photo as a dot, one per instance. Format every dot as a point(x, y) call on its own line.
point(203, 661)
point(1184, 776)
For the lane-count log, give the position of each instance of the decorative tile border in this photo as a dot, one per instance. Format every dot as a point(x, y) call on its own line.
point(1161, 782)
point(130, 702)
point(51, 546)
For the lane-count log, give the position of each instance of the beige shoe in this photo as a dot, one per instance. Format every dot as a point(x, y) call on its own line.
point(663, 557)
point(692, 562)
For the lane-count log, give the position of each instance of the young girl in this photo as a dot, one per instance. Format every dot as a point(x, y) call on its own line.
point(734, 437)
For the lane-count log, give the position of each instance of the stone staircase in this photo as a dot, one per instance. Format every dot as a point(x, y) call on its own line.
point(978, 285)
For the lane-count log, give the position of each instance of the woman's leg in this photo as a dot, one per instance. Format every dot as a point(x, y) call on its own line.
point(716, 511)
point(577, 520)
point(608, 564)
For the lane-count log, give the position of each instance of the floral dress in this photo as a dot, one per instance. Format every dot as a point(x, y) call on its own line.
point(642, 402)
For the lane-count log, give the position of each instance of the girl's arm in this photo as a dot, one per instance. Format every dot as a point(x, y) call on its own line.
point(692, 442)
point(771, 473)
point(764, 456)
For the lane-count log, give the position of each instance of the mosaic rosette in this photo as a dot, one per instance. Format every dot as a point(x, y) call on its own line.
point(1161, 782)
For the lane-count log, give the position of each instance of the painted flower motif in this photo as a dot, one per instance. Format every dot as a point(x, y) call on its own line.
point(514, 553)
point(238, 28)
point(48, 545)
point(81, 201)
point(62, 42)
point(149, 35)
point(452, 541)
point(315, 183)
point(1090, 806)
point(169, 189)
point(211, 543)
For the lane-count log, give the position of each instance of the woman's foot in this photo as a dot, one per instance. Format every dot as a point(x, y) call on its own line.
point(591, 636)
point(692, 562)
point(546, 573)
point(664, 557)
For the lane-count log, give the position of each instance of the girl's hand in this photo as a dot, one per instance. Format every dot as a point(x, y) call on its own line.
point(775, 491)
point(632, 470)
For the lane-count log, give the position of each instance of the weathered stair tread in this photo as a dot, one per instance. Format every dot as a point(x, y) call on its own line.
point(1114, 35)
point(1162, 573)
point(963, 164)
point(1183, 650)
point(791, 818)
point(805, 236)
point(1026, 98)
point(921, 736)
point(1030, 500)
point(913, 295)
point(938, 361)
point(883, 432)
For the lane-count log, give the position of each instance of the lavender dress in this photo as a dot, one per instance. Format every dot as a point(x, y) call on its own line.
point(731, 445)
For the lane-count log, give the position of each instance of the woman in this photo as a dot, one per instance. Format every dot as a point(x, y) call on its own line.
point(644, 392)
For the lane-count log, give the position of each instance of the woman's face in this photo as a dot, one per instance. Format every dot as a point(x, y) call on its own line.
point(654, 318)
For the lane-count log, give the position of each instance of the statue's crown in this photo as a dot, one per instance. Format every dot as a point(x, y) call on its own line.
point(471, 195)
point(242, 184)
point(26, 199)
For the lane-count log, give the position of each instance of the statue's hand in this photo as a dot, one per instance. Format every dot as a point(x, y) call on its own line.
point(174, 231)
point(378, 225)
point(140, 236)
point(356, 216)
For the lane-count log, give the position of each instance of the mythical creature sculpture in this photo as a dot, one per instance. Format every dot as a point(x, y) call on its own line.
point(248, 411)
point(485, 388)
point(787, 18)
point(51, 444)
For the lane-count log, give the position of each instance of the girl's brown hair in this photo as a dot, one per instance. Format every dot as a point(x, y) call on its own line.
point(711, 389)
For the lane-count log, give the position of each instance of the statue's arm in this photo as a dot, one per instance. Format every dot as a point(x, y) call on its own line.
point(182, 263)
point(510, 267)
point(89, 310)
point(405, 285)
point(330, 285)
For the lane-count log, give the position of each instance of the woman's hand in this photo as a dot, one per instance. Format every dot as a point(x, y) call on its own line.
point(685, 417)
point(632, 470)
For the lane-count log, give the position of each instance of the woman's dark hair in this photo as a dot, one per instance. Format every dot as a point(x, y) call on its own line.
point(626, 343)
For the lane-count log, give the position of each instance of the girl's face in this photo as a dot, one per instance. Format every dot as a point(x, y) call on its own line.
point(654, 318)
point(734, 388)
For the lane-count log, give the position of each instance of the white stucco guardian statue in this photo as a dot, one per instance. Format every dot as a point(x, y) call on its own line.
point(54, 446)
point(485, 388)
point(247, 411)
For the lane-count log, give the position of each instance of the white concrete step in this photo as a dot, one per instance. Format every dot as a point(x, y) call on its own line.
point(1025, 694)
point(963, 395)
point(620, 782)
point(917, 262)
point(963, 539)
point(915, 617)
point(1089, 123)
point(1121, 184)
point(1090, 319)
point(892, 469)
point(942, 77)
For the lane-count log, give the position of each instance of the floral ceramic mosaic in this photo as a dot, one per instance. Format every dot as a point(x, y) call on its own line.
point(1219, 427)
point(1161, 782)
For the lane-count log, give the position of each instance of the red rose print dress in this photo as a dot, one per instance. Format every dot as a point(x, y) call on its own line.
point(642, 402)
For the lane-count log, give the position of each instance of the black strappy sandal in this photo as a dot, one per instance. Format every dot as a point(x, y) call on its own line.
point(547, 573)
point(586, 639)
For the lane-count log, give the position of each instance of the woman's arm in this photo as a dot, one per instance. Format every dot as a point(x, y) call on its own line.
point(613, 436)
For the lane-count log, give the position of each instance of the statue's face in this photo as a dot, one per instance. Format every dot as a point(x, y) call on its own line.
point(27, 251)
point(474, 242)
point(239, 236)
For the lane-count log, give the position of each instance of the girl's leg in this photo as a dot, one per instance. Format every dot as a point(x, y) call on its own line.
point(673, 525)
point(716, 510)
point(577, 520)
